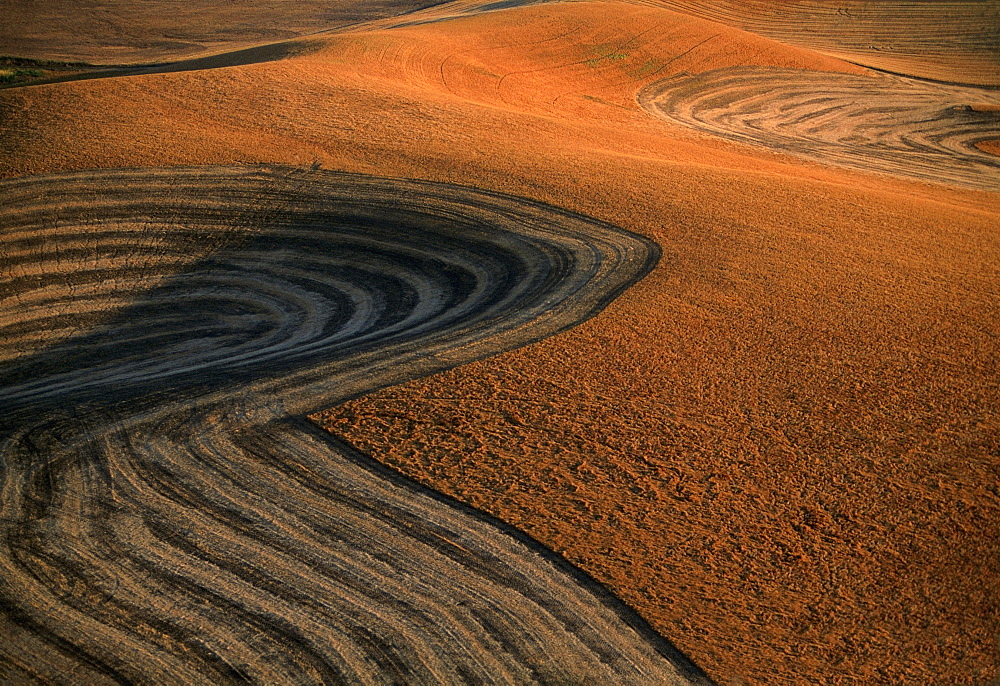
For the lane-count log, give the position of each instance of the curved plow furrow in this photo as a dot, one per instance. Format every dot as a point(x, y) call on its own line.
point(165, 517)
point(886, 123)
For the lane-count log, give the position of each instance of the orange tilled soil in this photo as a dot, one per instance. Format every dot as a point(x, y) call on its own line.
point(990, 146)
point(776, 465)
point(781, 447)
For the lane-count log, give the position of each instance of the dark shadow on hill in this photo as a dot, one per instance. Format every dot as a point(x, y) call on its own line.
point(304, 279)
point(289, 289)
point(257, 55)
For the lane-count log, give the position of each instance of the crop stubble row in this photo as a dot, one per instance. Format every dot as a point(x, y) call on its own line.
point(167, 514)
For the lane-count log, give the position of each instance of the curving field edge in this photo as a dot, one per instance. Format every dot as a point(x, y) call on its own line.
point(169, 517)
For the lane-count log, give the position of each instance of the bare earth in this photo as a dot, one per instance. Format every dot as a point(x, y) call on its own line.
point(170, 516)
point(782, 446)
point(113, 32)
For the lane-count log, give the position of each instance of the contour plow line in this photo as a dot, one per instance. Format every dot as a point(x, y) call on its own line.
point(907, 127)
point(169, 516)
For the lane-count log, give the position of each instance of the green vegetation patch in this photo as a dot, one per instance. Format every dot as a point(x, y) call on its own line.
point(605, 52)
point(15, 70)
point(19, 74)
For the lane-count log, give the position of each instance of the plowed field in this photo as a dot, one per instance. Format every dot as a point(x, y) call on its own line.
point(649, 338)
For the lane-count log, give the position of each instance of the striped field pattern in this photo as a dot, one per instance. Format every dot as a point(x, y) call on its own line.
point(943, 40)
point(168, 516)
point(883, 123)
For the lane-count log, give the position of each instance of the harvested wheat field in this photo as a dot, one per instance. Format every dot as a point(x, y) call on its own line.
point(561, 342)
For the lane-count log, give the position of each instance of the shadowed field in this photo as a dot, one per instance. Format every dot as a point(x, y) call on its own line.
point(165, 520)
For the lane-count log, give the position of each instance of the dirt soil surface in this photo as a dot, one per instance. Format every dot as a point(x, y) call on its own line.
point(189, 524)
point(782, 447)
point(941, 40)
point(113, 32)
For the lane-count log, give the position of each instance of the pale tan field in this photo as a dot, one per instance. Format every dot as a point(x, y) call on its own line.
point(782, 447)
